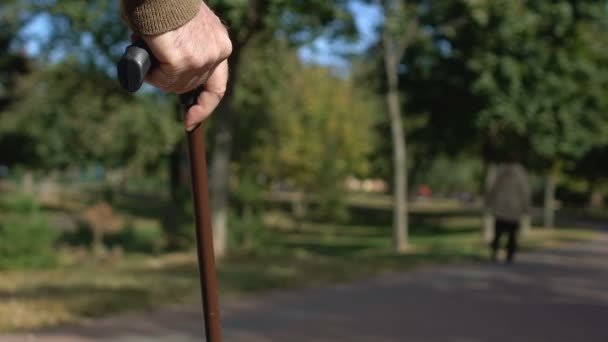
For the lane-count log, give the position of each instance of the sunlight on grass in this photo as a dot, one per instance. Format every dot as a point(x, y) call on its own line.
point(314, 254)
point(70, 293)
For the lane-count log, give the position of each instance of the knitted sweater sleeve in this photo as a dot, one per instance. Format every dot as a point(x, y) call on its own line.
point(153, 17)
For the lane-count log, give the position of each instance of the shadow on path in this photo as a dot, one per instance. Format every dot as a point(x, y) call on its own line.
point(559, 294)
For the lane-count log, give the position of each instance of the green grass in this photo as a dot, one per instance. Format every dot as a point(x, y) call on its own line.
point(309, 255)
point(588, 213)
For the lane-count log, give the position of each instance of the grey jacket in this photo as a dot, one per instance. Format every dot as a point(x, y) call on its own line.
point(510, 196)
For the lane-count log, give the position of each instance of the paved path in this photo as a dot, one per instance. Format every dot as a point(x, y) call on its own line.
point(553, 295)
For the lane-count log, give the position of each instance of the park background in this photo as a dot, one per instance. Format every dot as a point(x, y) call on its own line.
point(356, 138)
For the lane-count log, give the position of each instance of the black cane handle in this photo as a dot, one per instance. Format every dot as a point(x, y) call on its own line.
point(135, 64)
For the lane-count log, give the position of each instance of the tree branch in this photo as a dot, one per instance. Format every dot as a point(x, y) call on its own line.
point(410, 34)
point(253, 20)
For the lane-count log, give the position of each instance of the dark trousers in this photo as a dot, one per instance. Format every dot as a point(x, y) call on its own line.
point(509, 227)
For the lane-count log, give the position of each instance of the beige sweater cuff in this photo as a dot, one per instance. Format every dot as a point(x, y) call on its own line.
point(152, 17)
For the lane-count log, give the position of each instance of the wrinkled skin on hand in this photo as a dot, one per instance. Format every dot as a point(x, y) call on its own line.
point(192, 55)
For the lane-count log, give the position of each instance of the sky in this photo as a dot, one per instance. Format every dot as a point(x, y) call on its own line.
point(37, 30)
point(322, 51)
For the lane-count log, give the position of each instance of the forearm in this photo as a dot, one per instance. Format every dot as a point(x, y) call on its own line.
point(153, 17)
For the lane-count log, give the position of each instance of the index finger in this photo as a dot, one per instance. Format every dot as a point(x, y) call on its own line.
point(208, 100)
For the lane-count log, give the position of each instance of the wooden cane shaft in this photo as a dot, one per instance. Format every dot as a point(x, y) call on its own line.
point(204, 234)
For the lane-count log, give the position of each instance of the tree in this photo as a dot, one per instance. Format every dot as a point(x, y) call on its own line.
point(13, 65)
point(529, 74)
point(396, 39)
point(298, 22)
point(13, 62)
point(72, 116)
point(592, 168)
point(74, 96)
point(418, 65)
point(90, 31)
point(541, 69)
point(318, 132)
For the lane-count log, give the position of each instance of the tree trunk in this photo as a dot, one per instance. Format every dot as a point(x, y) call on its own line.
point(219, 173)
point(220, 177)
point(400, 208)
point(526, 225)
point(596, 199)
point(176, 180)
point(248, 234)
point(179, 173)
point(596, 196)
point(298, 206)
point(178, 187)
point(488, 217)
point(27, 183)
point(179, 177)
point(549, 209)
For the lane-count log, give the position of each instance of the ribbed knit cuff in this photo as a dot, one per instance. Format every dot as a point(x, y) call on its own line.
point(152, 17)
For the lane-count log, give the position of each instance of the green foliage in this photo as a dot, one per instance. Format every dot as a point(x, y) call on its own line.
point(525, 76)
point(179, 231)
point(147, 240)
point(541, 67)
point(90, 35)
point(20, 203)
point(446, 175)
point(592, 166)
point(247, 233)
point(317, 255)
point(298, 21)
point(330, 206)
point(13, 65)
point(27, 243)
point(249, 192)
point(300, 126)
point(71, 115)
point(72, 111)
point(91, 31)
point(82, 236)
point(321, 130)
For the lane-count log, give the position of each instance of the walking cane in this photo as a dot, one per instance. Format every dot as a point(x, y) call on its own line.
point(132, 69)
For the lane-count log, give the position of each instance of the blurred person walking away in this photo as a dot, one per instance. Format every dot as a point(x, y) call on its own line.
point(509, 201)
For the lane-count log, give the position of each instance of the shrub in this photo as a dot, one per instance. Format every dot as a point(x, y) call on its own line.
point(330, 206)
point(177, 222)
point(178, 228)
point(27, 243)
point(247, 233)
point(143, 240)
point(81, 236)
point(20, 204)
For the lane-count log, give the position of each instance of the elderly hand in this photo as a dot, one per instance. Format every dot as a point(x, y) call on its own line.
point(192, 55)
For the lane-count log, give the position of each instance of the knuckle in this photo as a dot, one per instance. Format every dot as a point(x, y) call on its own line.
point(172, 62)
point(192, 61)
point(226, 50)
point(211, 58)
point(221, 91)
